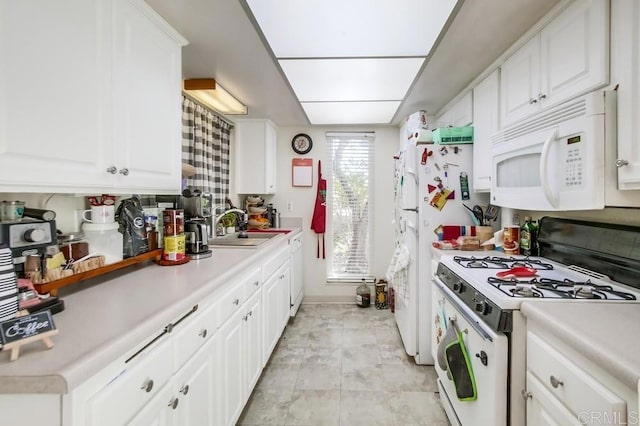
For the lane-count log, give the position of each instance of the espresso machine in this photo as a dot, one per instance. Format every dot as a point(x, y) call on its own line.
point(27, 237)
point(196, 238)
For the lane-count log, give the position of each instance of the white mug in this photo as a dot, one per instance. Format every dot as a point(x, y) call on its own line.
point(100, 214)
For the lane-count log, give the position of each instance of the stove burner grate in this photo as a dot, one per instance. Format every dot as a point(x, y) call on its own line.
point(500, 262)
point(567, 289)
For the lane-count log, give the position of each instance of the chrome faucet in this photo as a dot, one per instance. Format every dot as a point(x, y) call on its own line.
point(245, 217)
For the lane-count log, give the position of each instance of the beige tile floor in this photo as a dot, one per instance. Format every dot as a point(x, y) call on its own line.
point(343, 365)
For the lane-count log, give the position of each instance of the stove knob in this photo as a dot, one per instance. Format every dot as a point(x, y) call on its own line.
point(482, 307)
point(34, 235)
point(458, 287)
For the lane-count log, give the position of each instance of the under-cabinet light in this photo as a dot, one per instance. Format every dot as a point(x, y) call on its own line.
point(211, 94)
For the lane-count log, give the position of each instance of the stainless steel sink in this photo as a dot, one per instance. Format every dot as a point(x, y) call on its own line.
point(254, 239)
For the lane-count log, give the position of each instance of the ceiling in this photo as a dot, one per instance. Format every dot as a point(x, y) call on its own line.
point(225, 45)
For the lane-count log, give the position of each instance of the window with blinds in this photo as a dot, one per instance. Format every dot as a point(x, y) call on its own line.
point(349, 202)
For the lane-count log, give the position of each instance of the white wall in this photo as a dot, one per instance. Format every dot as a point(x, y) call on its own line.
point(302, 200)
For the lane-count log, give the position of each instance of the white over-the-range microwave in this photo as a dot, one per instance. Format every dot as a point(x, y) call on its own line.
point(555, 159)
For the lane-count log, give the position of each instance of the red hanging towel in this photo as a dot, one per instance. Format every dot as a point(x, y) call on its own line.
point(318, 222)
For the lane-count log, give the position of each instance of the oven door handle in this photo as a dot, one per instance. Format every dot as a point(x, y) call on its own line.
point(463, 310)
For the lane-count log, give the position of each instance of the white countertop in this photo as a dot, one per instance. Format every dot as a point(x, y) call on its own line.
point(605, 333)
point(116, 312)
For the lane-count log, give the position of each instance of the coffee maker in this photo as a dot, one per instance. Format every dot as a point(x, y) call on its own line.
point(199, 205)
point(196, 238)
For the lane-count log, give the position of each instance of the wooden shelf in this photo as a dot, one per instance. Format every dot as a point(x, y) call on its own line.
point(53, 286)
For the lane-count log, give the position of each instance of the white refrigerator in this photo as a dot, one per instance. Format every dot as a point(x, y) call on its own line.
point(431, 184)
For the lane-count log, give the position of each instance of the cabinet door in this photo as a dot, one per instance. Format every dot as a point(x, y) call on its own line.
point(460, 113)
point(147, 103)
point(285, 297)
point(252, 343)
point(543, 409)
point(520, 83)
point(272, 308)
point(193, 386)
point(574, 52)
point(625, 69)
point(159, 411)
point(134, 387)
point(231, 358)
point(255, 157)
point(54, 108)
point(486, 113)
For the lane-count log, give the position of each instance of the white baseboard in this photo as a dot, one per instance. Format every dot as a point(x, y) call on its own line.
point(314, 300)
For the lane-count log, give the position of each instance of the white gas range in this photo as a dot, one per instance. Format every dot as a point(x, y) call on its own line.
point(481, 295)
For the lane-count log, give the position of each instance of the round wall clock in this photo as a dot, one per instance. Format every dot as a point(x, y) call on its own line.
point(301, 143)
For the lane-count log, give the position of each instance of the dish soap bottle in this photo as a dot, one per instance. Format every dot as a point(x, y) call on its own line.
point(528, 237)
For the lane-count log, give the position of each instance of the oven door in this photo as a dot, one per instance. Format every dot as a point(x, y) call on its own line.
point(488, 353)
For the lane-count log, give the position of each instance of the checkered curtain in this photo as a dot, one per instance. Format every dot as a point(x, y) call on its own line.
point(205, 145)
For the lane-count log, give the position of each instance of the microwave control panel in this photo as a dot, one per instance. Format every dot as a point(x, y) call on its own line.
point(574, 163)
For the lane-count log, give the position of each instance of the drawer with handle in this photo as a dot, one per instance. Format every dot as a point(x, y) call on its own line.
point(230, 300)
point(578, 390)
point(194, 333)
point(136, 384)
point(252, 282)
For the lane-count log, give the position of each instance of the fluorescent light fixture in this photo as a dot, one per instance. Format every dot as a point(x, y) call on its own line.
point(211, 94)
point(339, 28)
point(374, 79)
point(350, 112)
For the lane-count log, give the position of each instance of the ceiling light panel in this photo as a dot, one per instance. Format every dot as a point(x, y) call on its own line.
point(350, 112)
point(353, 28)
point(382, 79)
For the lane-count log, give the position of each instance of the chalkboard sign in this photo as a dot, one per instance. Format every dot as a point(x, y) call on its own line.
point(26, 326)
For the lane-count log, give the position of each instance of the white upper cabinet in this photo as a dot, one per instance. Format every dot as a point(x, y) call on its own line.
point(459, 114)
point(255, 145)
point(55, 81)
point(623, 166)
point(90, 98)
point(569, 57)
point(147, 101)
point(486, 121)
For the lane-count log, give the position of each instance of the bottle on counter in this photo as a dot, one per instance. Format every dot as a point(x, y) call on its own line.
point(363, 295)
point(528, 237)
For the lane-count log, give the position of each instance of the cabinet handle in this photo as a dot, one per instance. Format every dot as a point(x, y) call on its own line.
point(621, 163)
point(113, 170)
point(184, 389)
point(245, 318)
point(124, 172)
point(541, 96)
point(203, 333)
point(250, 313)
point(532, 101)
point(173, 403)
point(236, 302)
point(555, 382)
point(147, 386)
point(526, 394)
point(257, 283)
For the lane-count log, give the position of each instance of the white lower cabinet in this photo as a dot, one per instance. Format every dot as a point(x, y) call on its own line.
point(199, 371)
point(140, 381)
point(545, 409)
point(562, 390)
point(238, 363)
point(276, 310)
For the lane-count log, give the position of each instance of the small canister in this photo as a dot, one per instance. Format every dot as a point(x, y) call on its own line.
point(173, 221)
point(174, 247)
point(381, 295)
point(511, 244)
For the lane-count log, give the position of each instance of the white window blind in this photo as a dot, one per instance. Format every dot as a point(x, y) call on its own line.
point(350, 201)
